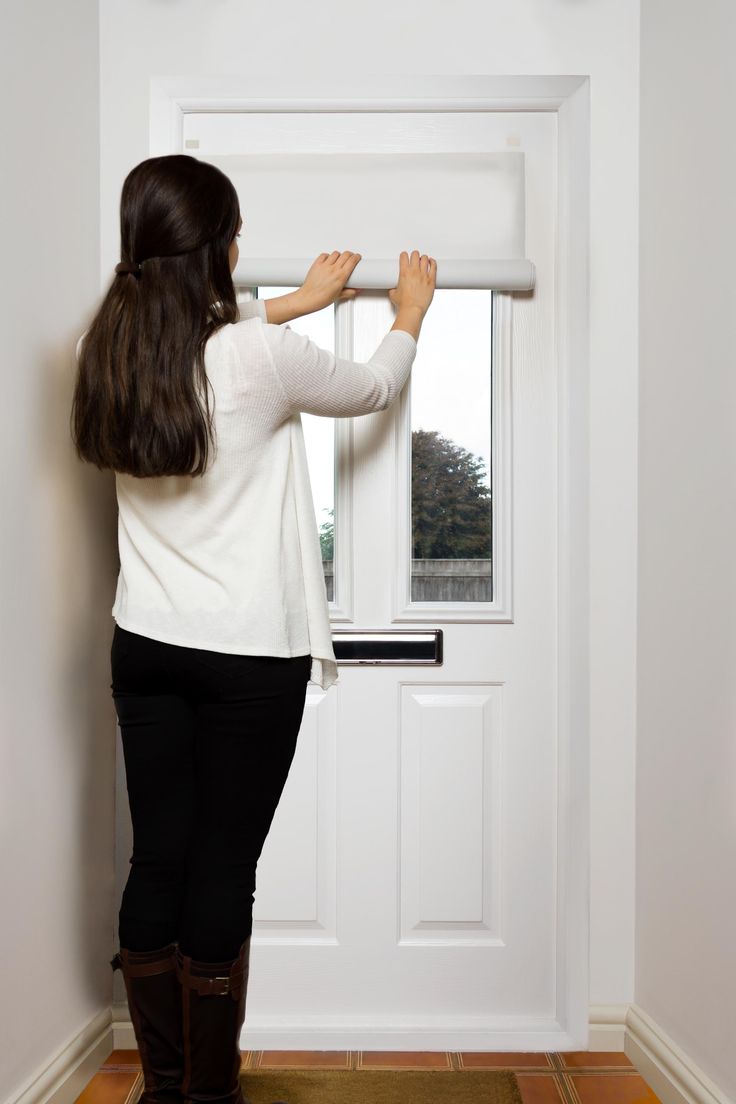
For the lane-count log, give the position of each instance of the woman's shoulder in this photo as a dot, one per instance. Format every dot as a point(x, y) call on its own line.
point(254, 332)
point(242, 335)
point(252, 308)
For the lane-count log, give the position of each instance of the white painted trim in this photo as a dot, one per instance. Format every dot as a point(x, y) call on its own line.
point(607, 1025)
point(671, 1073)
point(569, 98)
point(172, 97)
point(63, 1079)
point(667, 1069)
point(573, 553)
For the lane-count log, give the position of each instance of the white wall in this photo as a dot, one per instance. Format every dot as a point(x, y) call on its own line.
point(142, 39)
point(686, 759)
point(58, 725)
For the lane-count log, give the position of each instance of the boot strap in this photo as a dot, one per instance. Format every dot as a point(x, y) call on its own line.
point(218, 984)
point(143, 969)
point(211, 985)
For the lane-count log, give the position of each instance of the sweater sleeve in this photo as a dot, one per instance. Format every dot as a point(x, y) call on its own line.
point(316, 381)
point(252, 308)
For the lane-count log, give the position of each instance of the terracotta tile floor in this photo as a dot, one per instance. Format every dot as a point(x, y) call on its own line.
point(572, 1077)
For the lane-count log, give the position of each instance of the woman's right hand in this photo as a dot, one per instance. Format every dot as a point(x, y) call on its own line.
point(417, 277)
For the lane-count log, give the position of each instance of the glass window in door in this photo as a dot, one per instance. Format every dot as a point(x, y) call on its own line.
point(451, 478)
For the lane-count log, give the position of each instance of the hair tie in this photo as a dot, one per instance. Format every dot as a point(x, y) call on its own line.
point(133, 268)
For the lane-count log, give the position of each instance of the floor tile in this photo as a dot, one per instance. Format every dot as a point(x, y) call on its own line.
point(540, 1089)
point(107, 1086)
point(122, 1059)
point(594, 1059)
point(403, 1059)
point(581, 1077)
point(612, 1088)
point(509, 1059)
point(303, 1059)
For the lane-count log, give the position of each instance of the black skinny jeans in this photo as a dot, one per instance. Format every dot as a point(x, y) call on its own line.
point(208, 740)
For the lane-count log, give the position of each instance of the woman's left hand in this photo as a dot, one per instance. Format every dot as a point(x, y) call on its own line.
point(325, 281)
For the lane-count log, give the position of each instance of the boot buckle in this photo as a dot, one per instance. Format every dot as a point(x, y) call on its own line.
point(214, 985)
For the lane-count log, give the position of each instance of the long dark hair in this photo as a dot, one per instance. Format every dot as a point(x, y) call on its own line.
point(141, 402)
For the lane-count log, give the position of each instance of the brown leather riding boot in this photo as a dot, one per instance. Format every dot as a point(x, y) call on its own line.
point(213, 1012)
point(154, 1001)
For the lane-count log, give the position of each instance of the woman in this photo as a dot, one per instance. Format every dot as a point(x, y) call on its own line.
point(221, 609)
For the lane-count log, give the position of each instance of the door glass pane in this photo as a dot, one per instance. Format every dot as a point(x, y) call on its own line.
point(451, 520)
point(319, 436)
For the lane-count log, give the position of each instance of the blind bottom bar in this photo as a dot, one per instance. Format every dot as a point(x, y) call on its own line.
point(380, 275)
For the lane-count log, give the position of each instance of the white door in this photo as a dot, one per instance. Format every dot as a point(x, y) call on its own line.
point(406, 894)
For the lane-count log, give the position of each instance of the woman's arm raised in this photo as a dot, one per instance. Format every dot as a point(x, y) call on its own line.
point(315, 381)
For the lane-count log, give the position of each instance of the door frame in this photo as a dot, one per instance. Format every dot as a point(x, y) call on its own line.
point(171, 98)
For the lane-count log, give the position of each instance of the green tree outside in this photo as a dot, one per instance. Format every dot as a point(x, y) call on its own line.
point(451, 503)
point(327, 537)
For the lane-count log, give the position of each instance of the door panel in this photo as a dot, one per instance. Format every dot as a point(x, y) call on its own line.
point(406, 894)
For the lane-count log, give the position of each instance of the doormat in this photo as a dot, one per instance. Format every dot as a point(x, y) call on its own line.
point(380, 1087)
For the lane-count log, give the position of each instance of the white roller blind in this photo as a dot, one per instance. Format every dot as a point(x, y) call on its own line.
point(464, 209)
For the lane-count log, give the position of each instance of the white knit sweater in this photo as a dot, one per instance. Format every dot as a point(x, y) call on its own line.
point(231, 561)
